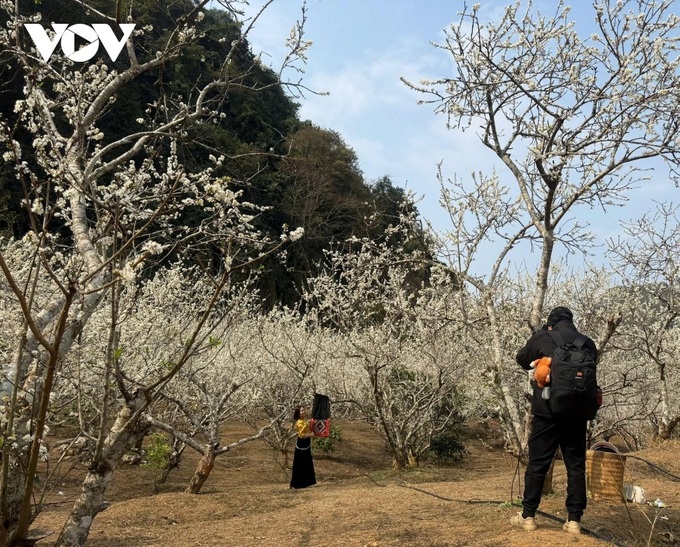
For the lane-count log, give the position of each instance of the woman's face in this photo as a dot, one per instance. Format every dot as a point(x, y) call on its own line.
point(303, 412)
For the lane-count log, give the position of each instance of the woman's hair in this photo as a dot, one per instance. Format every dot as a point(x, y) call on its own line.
point(296, 412)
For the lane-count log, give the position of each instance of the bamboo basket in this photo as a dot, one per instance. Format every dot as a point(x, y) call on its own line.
point(604, 475)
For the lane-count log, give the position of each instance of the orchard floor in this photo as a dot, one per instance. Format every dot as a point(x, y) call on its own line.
point(360, 501)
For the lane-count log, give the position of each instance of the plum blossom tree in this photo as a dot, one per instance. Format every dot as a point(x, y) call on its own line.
point(230, 379)
point(290, 353)
point(574, 122)
point(108, 212)
point(393, 331)
point(647, 263)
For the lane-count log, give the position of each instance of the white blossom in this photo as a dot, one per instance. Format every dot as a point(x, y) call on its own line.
point(297, 233)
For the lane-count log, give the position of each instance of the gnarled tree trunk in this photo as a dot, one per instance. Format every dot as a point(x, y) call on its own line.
point(130, 426)
point(205, 466)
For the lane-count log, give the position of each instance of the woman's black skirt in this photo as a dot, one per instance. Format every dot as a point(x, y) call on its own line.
point(303, 466)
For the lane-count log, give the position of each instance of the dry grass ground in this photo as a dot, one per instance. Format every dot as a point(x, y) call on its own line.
point(360, 501)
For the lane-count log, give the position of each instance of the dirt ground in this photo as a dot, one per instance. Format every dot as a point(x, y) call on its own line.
point(360, 501)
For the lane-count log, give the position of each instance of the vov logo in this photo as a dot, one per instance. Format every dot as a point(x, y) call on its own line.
point(98, 32)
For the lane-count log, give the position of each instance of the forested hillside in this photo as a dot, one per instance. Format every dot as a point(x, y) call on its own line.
point(300, 175)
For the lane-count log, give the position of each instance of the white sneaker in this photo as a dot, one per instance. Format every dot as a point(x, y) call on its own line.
point(527, 524)
point(572, 527)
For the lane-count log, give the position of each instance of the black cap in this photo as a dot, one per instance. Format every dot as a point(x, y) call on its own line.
point(560, 314)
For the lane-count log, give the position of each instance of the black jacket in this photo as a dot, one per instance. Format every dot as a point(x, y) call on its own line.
point(540, 345)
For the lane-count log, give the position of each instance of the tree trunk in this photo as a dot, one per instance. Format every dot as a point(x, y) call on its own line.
point(30, 378)
point(205, 466)
point(667, 422)
point(284, 455)
point(173, 461)
point(510, 418)
point(666, 427)
point(548, 481)
point(128, 428)
point(403, 457)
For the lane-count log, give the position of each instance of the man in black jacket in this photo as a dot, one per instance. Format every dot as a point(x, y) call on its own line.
point(548, 431)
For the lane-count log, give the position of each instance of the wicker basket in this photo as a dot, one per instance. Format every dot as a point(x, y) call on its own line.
point(604, 475)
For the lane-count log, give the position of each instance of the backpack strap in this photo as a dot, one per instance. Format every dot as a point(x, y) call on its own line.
point(580, 341)
point(557, 337)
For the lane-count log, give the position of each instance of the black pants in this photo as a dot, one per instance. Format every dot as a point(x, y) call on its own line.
point(546, 435)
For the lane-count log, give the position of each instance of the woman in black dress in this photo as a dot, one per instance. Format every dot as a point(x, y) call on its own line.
point(303, 466)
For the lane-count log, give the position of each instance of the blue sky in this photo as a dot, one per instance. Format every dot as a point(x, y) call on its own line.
point(360, 50)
